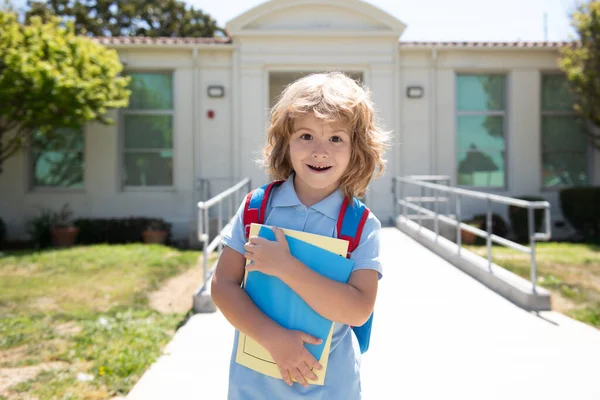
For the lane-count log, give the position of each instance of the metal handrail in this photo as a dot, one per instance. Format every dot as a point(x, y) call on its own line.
point(203, 221)
point(458, 194)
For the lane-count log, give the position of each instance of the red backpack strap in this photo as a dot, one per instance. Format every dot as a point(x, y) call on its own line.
point(351, 222)
point(255, 205)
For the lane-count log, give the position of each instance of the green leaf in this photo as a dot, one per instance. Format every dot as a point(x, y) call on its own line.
point(51, 78)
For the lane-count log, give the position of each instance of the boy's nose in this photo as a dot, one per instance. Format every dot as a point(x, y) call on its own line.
point(320, 151)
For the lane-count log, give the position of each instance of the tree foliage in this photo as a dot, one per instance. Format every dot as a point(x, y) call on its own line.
point(581, 63)
point(51, 78)
point(159, 18)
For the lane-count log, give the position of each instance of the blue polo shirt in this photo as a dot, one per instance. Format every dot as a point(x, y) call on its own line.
point(342, 380)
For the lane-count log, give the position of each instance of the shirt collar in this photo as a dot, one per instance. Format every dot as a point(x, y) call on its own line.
point(286, 194)
point(286, 197)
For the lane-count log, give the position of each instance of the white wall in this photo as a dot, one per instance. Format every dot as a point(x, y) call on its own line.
point(429, 124)
point(199, 145)
point(223, 149)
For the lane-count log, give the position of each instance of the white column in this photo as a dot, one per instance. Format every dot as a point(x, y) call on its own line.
point(415, 119)
point(523, 141)
point(252, 123)
point(446, 124)
point(380, 81)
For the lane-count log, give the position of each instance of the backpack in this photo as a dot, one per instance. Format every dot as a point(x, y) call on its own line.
point(350, 224)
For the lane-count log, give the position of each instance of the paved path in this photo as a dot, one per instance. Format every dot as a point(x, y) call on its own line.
point(438, 334)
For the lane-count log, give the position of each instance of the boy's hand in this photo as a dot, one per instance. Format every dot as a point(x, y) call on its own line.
point(293, 359)
point(269, 257)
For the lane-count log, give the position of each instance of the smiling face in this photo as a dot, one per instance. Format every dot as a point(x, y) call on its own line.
point(320, 153)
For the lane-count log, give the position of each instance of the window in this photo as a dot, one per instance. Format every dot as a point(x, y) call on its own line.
point(57, 159)
point(148, 131)
point(565, 157)
point(480, 132)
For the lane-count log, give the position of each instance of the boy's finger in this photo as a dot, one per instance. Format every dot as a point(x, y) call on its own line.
point(310, 360)
point(285, 374)
point(299, 377)
point(308, 372)
point(306, 338)
point(256, 240)
point(279, 234)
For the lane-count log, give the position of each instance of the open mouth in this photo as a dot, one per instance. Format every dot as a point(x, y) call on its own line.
point(319, 168)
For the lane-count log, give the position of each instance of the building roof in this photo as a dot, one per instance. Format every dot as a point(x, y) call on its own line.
point(177, 41)
point(486, 45)
point(141, 40)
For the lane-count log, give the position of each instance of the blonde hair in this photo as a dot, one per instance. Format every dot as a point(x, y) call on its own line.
point(331, 97)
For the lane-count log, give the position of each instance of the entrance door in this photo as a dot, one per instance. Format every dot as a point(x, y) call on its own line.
point(279, 80)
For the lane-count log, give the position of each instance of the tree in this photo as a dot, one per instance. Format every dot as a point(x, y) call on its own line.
point(7, 6)
point(50, 78)
point(581, 63)
point(159, 18)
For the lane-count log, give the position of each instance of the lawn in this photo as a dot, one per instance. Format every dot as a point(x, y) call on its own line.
point(76, 323)
point(570, 271)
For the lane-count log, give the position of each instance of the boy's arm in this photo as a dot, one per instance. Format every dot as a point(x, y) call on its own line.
point(233, 301)
point(348, 303)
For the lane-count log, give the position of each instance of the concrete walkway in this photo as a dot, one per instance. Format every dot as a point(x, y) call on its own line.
point(438, 334)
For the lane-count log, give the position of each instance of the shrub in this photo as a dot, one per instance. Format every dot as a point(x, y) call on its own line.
point(519, 219)
point(499, 226)
point(581, 207)
point(2, 232)
point(39, 227)
point(116, 230)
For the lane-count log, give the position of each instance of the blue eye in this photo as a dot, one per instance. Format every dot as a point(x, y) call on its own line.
point(336, 139)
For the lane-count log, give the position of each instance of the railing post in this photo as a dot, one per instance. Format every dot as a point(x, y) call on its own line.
point(531, 224)
point(420, 206)
point(437, 220)
point(459, 221)
point(395, 198)
point(205, 244)
point(403, 197)
point(448, 203)
point(489, 233)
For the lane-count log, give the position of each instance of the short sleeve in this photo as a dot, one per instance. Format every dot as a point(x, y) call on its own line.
point(366, 255)
point(235, 236)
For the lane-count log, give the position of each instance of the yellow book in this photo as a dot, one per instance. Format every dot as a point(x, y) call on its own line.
point(253, 355)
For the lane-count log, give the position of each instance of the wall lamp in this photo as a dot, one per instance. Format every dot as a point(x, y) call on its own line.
point(216, 91)
point(414, 92)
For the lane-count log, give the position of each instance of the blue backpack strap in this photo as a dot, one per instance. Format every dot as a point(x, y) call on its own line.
point(350, 224)
point(255, 206)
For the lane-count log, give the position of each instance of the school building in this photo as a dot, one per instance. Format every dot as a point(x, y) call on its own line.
point(493, 117)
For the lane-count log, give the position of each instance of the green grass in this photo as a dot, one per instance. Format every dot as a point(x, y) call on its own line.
point(568, 270)
point(98, 276)
point(87, 308)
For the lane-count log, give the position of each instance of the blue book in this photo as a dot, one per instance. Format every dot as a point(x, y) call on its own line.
point(278, 301)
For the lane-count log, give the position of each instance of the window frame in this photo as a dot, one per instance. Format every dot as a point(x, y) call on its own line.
point(123, 112)
point(589, 153)
point(30, 171)
point(505, 126)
